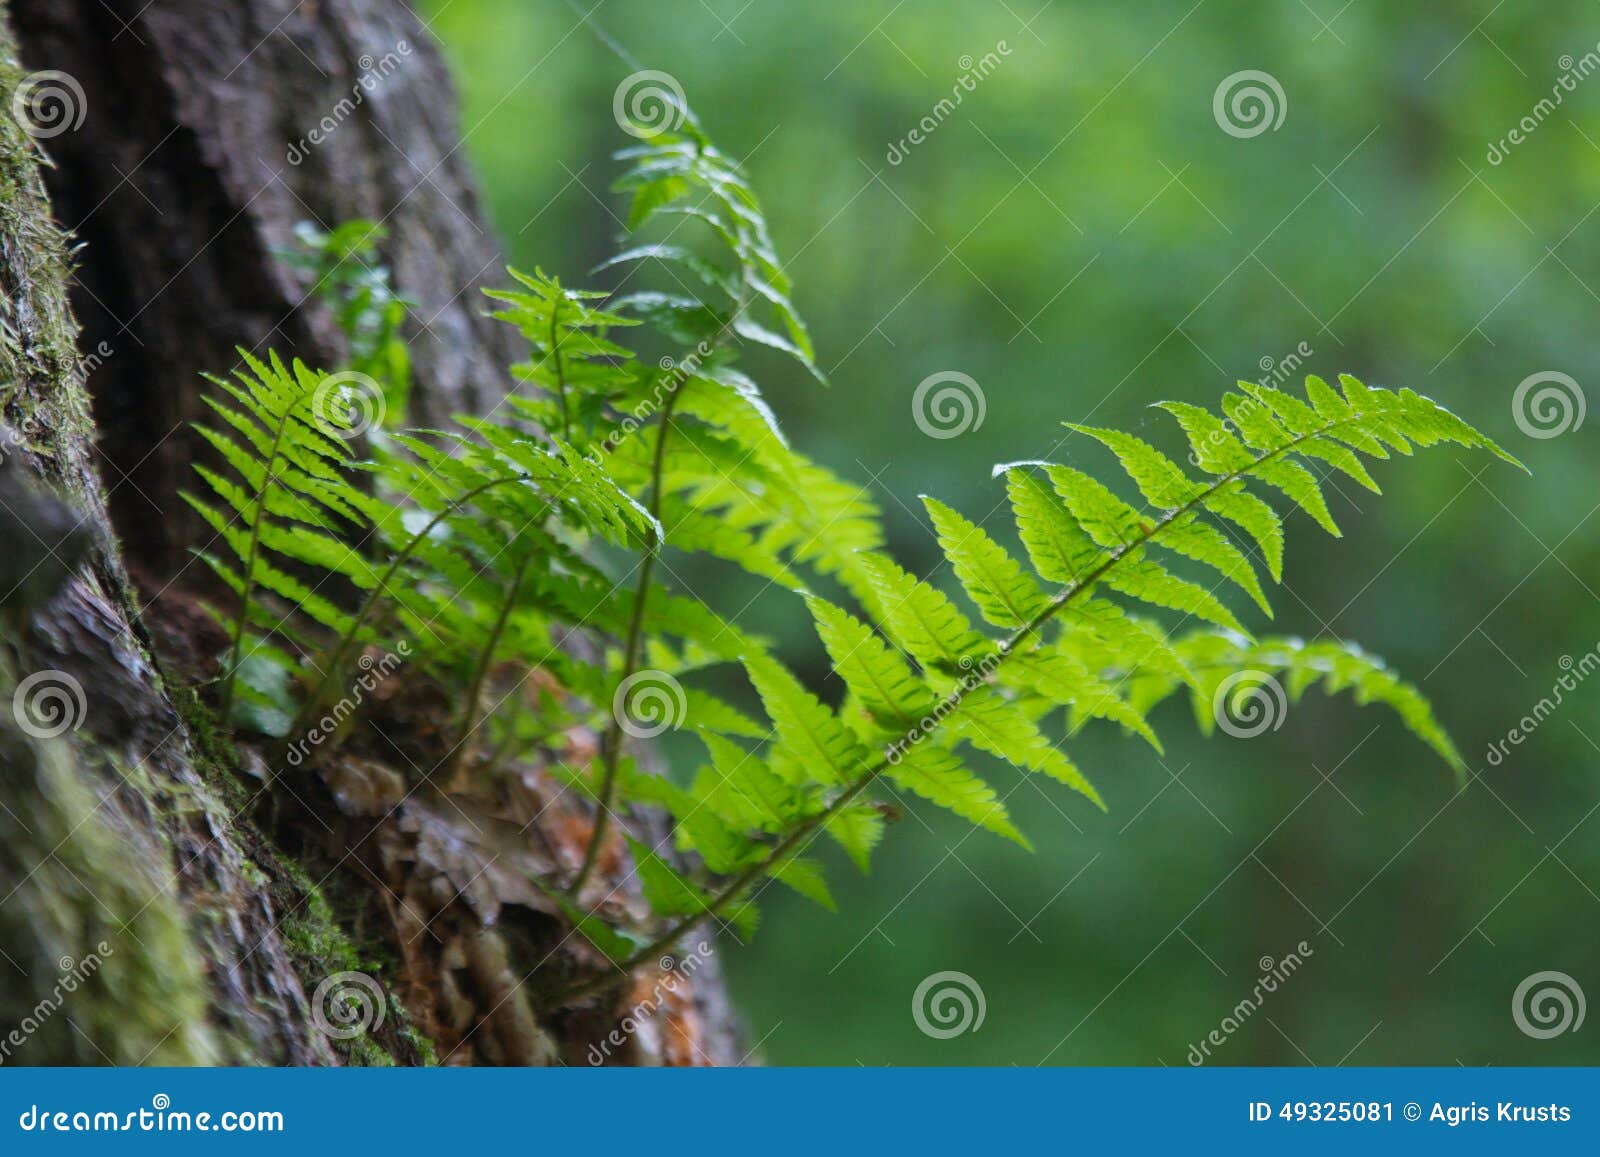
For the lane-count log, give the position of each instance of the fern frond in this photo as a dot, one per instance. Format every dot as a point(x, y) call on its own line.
point(878, 676)
point(1006, 595)
point(290, 491)
point(1337, 666)
point(940, 778)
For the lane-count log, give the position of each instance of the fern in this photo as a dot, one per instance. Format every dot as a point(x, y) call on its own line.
point(348, 276)
point(280, 503)
point(483, 544)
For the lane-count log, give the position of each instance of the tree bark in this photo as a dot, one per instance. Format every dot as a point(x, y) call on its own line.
point(224, 904)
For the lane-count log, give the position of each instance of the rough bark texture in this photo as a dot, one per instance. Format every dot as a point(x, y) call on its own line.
point(226, 892)
point(182, 182)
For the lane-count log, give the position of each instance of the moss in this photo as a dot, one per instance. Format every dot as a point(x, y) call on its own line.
point(253, 875)
point(313, 935)
point(84, 899)
point(421, 1045)
point(367, 1052)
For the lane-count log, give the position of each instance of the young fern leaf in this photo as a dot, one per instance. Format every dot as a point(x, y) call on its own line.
point(284, 508)
point(575, 365)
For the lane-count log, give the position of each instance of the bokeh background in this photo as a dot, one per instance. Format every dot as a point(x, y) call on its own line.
point(1082, 238)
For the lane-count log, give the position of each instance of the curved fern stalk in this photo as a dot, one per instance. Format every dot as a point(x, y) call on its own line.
point(461, 750)
point(560, 375)
point(352, 638)
point(556, 480)
point(1369, 420)
point(614, 739)
point(666, 174)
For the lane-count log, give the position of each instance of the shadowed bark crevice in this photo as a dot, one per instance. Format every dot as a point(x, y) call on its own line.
point(229, 892)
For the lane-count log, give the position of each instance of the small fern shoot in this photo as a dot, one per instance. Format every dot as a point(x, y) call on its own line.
point(284, 502)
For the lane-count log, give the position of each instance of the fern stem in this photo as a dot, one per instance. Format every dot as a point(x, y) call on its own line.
point(469, 721)
point(614, 736)
point(241, 620)
point(1004, 650)
point(561, 377)
point(341, 654)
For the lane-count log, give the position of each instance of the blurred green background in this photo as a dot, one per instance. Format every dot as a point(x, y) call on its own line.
point(1082, 238)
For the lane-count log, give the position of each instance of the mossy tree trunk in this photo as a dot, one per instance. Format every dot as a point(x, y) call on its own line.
point(166, 896)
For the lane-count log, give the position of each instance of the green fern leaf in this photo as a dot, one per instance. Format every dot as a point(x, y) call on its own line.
point(940, 778)
point(1002, 591)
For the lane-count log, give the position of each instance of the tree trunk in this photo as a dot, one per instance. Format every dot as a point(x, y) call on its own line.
point(164, 895)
